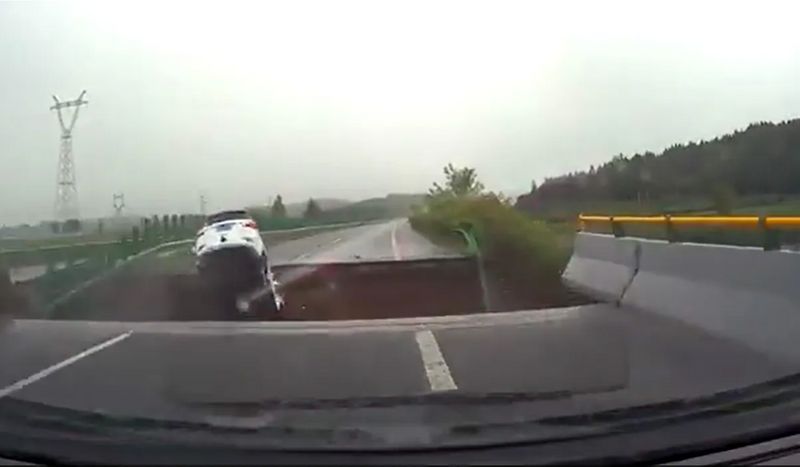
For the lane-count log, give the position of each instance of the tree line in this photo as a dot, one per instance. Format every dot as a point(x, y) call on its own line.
point(278, 209)
point(762, 159)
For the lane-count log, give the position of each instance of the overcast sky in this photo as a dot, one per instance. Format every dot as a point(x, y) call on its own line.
point(358, 99)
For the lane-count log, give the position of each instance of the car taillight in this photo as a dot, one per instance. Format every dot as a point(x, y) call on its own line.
point(251, 224)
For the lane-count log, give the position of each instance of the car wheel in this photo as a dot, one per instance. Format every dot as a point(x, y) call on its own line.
point(265, 308)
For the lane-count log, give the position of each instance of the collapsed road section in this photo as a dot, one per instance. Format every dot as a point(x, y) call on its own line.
point(312, 291)
point(375, 271)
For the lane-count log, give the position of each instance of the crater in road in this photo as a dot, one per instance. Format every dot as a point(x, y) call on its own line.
point(323, 291)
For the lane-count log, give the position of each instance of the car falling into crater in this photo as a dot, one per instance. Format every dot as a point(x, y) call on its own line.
point(232, 261)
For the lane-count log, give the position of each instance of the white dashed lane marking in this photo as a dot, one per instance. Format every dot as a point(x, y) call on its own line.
point(166, 254)
point(436, 368)
point(21, 384)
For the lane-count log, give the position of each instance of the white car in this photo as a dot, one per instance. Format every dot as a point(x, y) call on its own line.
point(232, 258)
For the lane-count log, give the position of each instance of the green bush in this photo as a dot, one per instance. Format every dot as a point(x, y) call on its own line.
point(505, 236)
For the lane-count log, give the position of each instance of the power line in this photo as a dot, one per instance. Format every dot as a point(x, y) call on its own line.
point(119, 203)
point(203, 204)
point(66, 206)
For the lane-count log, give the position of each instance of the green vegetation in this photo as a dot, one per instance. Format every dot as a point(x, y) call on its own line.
point(331, 211)
point(723, 198)
point(55, 283)
point(779, 206)
point(507, 238)
point(755, 172)
point(568, 210)
point(278, 210)
point(313, 211)
point(31, 243)
point(68, 265)
point(297, 209)
point(706, 176)
point(73, 259)
point(460, 183)
point(756, 237)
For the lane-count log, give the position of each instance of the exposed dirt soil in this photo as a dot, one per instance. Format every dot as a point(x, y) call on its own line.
point(385, 290)
point(514, 287)
point(325, 292)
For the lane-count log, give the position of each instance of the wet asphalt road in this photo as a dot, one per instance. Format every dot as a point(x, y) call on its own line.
point(392, 240)
point(606, 357)
point(387, 241)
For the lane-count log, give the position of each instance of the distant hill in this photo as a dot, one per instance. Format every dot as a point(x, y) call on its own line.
point(297, 209)
point(762, 159)
point(338, 210)
point(390, 206)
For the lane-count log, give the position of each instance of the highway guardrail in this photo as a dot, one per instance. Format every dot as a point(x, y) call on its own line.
point(473, 249)
point(769, 226)
point(132, 257)
point(125, 247)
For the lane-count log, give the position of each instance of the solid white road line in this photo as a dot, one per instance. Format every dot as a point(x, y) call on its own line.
point(8, 390)
point(166, 254)
point(436, 367)
point(395, 249)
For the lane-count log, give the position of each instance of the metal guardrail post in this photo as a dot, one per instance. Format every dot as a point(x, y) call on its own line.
point(771, 227)
point(616, 228)
point(469, 239)
point(473, 249)
point(672, 234)
point(771, 238)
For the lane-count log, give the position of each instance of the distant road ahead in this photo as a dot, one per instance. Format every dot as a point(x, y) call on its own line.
point(584, 359)
point(383, 241)
point(386, 241)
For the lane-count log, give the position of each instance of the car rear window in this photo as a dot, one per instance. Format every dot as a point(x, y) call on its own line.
point(224, 227)
point(226, 216)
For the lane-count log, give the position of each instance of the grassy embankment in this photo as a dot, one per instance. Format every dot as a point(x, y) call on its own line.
point(507, 238)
